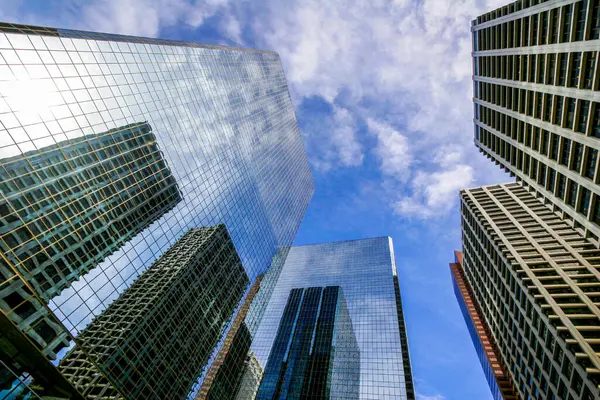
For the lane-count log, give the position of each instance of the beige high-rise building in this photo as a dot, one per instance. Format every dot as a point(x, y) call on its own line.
point(537, 102)
point(536, 281)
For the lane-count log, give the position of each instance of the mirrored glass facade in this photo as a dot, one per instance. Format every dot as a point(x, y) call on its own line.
point(365, 273)
point(111, 149)
point(315, 346)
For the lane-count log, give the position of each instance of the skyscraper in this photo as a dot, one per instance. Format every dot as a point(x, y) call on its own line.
point(365, 272)
point(489, 357)
point(216, 122)
point(537, 111)
point(65, 208)
point(534, 278)
point(315, 353)
point(156, 338)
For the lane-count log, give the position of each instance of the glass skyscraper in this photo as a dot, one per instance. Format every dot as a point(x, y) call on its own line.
point(111, 149)
point(315, 354)
point(156, 338)
point(365, 272)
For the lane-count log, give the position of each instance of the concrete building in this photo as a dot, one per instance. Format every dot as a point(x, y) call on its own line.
point(536, 85)
point(536, 283)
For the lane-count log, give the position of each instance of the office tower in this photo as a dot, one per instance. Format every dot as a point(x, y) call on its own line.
point(156, 338)
point(225, 373)
point(535, 280)
point(315, 350)
point(220, 118)
point(65, 208)
point(500, 383)
point(537, 112)
point(365, 272)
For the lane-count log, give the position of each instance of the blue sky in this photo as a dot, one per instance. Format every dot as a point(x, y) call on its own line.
point(382, 92)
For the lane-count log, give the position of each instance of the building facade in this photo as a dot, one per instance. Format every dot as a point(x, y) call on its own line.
point(113, 147)
point(536, 85)
point(65, 209)
point(315, 349)
point(365, 272)
point(535, 281)
point(156, 338)
point(500, 383)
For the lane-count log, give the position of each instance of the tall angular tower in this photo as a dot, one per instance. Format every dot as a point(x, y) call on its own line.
point(286, 342)
point(315, 349)
point(113, 147)
point(536, 85)
point(529, 247)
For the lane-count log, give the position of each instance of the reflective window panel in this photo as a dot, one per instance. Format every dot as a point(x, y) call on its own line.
point(368, 344)
point(149, 193)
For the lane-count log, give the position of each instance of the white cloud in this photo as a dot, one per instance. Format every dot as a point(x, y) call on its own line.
point(392, 149)
point(407, 63)
point(434, 194)
point(333, 141)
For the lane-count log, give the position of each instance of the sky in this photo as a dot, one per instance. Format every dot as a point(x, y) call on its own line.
point(382, 91)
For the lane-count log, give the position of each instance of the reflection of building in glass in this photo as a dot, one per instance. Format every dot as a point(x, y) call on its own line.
point(365, 271)
point(491, 361)
point(251, 378)
point(66, 207)
point(226, 126)
point(223, 378)
point(315, 349)
point(156, 338)
point(535, 279)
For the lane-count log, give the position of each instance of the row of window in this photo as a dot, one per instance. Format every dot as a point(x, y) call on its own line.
point(526, 343)
point(559, 25)
point(508, 9)
point(549, 144)
point(575, 70)
point(576, 196)
point(566, 112)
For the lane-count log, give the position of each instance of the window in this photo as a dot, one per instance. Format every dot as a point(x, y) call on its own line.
point(548, 111)
point(588, 69)
point(575, 69)
point(542, 65)
point(577, 156)
point(551, 179)
point(562, 183)
point(544, 27)
point(534, 26)
point(532, 72)
point(530, 95)
point(545, 142)
point(562, 72)
point(542, 175)
point(579, 22)
point(590, 163)
point(584, 203)
point(554, 149)
point(570, 113)
point(554, 26)
point(595, 31)
point(526, 31)
point(566, 20)
point(540, 105)
point(559, 100)
point(572, 194)
point(566, 150)
point(536, 139)
point(596, 211)
point(596, 121)
point(551, 69)
point(584, 110)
